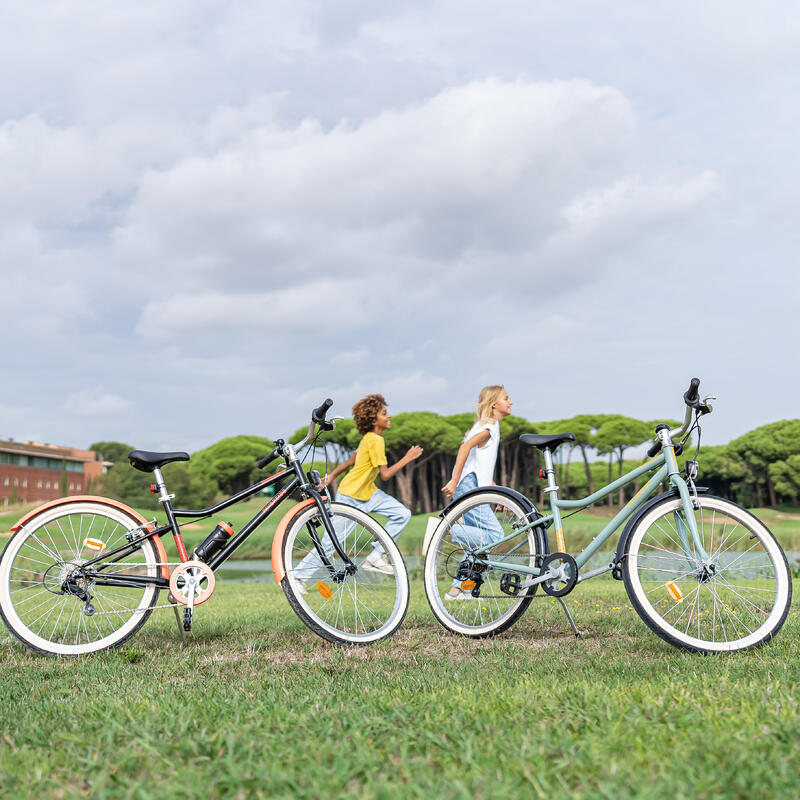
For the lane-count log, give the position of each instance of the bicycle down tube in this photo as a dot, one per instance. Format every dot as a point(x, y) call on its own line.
point(668, 468)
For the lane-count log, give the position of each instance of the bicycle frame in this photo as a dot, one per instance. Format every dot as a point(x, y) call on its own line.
point(664, 466)
point(298, 480)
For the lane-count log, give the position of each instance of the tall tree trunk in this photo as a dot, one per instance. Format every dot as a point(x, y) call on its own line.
point(403, 479)
point(589, 481)
point(771, 490)
point(621, 488)
point(565, 486)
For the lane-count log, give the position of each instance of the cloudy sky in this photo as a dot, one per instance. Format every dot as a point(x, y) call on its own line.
point(214, 215)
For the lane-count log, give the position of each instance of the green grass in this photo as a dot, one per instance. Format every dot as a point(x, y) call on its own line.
point(255, 705)
point(579, 529)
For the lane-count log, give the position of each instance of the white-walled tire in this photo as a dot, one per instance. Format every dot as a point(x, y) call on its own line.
point(740, 603)
point(42, 553)
point(356, 609)
point(492, 611)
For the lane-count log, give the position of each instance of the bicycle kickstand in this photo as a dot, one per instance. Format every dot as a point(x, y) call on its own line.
point(569, 617)
point(178, 619)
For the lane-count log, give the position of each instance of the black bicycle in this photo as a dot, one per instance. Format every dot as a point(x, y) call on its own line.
point(83, 574)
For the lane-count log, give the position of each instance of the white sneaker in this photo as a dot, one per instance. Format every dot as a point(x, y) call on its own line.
point(302, 587)
point(460, 597)
point(375, 562)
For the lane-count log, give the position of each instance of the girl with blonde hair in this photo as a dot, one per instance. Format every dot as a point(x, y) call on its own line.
point(475, 462)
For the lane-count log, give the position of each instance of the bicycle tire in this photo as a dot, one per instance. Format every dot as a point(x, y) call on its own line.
point(740, 603)
point(479, 617)
point(35, 563)
point(356, 609)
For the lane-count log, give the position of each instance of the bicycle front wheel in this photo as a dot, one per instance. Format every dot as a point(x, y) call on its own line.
point(55, 605)
point(358, 608)
point(475, 522)
point(740, 599)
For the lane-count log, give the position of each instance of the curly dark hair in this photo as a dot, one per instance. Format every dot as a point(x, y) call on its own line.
point(366, 411)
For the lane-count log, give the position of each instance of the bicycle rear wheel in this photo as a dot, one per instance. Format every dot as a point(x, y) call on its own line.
point(361, 608)
point(45, 592)
point(740, 600)
point(476, 521)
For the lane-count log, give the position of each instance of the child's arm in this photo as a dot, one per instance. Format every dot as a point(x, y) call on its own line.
point(338, 470)
point(387, 472)
point(478, 440)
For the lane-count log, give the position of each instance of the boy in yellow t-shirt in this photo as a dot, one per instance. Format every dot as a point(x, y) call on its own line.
point(358, 488)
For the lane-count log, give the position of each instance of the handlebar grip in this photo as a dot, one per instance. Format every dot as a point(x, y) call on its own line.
point(654, 448)
point(690, 396)
point(318, 414)
point(266, 460)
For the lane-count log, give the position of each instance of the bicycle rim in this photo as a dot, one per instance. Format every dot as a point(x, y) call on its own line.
point(739, 602)
point(40, 557)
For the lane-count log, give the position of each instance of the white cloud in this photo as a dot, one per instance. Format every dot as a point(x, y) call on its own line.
point(95, 403)
point(284, 311)
point(348, 358)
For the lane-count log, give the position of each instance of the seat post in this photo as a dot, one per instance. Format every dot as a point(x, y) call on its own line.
point(552, 491)
point(164, 498)
point(549, 471)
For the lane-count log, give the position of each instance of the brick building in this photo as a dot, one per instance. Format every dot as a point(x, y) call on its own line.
point(31, 472)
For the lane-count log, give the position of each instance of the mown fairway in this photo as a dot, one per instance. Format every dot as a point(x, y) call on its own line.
point(255, 705)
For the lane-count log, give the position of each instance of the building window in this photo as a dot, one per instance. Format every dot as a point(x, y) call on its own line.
point(72, 487)
point(78, 487)
point(5, 481)
point(24, 483)
point(38, 484)
point(16, 482)
point(47, 485)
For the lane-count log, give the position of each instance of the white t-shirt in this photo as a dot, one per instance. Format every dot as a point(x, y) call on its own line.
point(481, 460)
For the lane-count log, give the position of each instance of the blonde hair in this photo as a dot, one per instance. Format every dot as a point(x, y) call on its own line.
point(486, 399)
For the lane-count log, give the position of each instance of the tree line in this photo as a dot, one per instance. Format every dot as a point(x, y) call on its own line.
point(760, 468)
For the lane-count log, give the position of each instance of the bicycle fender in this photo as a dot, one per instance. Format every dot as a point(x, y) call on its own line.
point(511, 494)
point(659, 498)
point(105, 501)
point(277, 541)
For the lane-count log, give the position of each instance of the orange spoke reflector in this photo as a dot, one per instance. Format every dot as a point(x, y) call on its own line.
point(324, 590)
point(93, 544)
point(674, 591)
point(468, 585)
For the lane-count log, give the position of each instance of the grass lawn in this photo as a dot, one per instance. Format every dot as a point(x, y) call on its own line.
point(579, 529)
point(255, 705)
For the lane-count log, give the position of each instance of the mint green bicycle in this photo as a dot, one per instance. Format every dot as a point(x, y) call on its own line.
point(702, 572)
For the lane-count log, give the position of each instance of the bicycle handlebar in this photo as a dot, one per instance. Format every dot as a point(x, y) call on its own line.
point(271, 457)
point(690, 397)
point(317, 418)
point(318, 414)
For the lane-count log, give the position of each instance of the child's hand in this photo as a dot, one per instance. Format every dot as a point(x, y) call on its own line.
point(414, 452)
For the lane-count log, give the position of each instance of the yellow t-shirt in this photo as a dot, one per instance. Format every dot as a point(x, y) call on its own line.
point(359, 483)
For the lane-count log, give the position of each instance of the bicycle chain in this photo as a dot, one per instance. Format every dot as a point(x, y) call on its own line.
point(148, 608)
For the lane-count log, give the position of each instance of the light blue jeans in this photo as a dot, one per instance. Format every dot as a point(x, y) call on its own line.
point(480, 523)
point(379, 503)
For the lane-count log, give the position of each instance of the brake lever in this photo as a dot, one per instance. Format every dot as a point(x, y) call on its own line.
point(704, 407)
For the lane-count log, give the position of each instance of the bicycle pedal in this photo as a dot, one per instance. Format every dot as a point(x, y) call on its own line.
point(187, 619)
point(510, 583)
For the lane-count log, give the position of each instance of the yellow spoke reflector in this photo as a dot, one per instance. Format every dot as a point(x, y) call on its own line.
point(324, 590)
point(674, 591)
point(93, 544)
point(468, 585)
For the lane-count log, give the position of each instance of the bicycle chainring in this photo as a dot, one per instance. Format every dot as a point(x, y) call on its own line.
point(192, 579)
